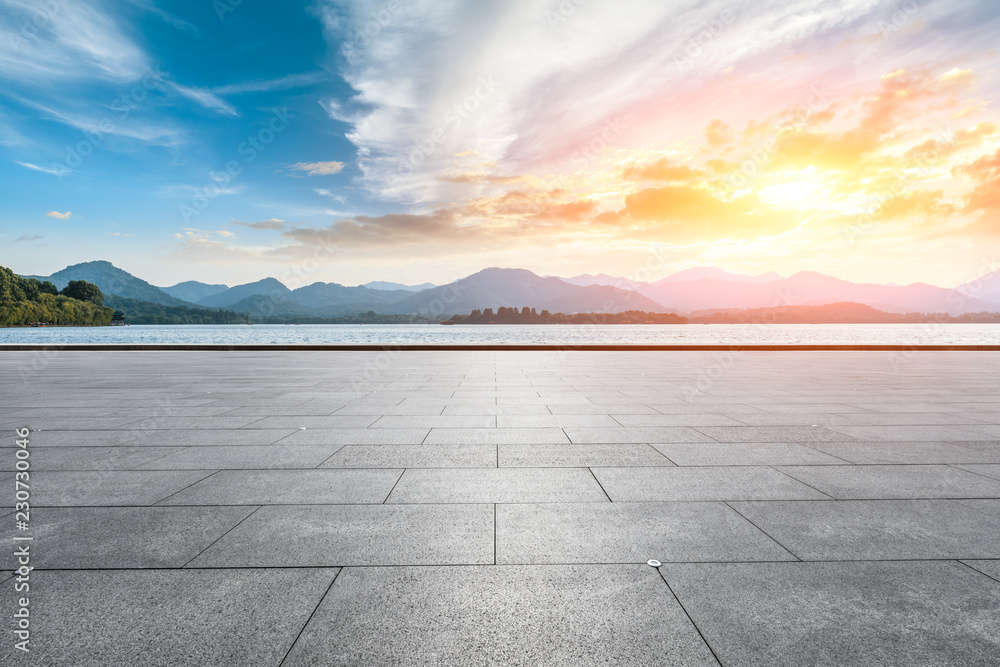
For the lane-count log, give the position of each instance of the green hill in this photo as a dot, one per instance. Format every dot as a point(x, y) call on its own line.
point(22, 303)
point(113, 280)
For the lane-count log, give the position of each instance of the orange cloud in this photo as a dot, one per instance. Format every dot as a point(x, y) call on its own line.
point(662, 170)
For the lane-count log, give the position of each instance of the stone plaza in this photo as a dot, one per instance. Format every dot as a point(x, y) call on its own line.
point(490, 507)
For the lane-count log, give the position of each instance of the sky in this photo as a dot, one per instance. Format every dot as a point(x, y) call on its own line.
point(349, 141)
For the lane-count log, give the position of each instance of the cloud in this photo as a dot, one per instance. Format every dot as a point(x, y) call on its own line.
point(206, 99)
point(269, 85)
point(24, 238)
point(332, 195)
point(319, 168)
point(121, 234)
point(663, 169)
point(273, 224)
point(55, 170)
point(58, 215)
point(718, 133)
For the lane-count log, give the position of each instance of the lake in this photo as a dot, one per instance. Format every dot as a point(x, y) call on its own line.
point(436, 334)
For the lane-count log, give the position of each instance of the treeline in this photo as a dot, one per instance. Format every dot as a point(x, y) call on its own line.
point(505, 315)
point(24, 301)
point(371, 317)
point(147, 312)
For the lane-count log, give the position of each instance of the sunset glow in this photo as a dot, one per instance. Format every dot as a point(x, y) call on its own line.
point(424, 141)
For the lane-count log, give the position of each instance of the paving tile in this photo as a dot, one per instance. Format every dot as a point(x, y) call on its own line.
point(153, 618)
point(504, 485)
point(906, 452)
point(572, 616)
point(154, 438)
point(636, 434)
point(358, 436)
point(807, 434)
point(556, 421)
point(437, 421)
point(738, 483)
point(414, 456)
point(744, 454)
point(895, 481)
point(127, 537)
point(992, 470)
point(288, 487)
point(349, 535)
point(494, 436)
point(591, 409)
point(90, 458)
point(460, 410)
point(898, 433)
point(991, 568)
point(313, 421)
point(684, 419)
point(227, 458)
point(629, 533)
point(197, 423)
point(579, 456)
point(863, 614)
point(108, 488)
point(878, 529)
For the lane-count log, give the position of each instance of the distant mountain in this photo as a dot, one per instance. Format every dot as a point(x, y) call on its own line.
point(113, 280)
point(810, 288)
point(986, 288)
point(145, 312)
point(193, 291)
point(714, 273)
point(233, 295)
point(587, 279)
point(382, 285)
point(492, 288)
point(333, 298)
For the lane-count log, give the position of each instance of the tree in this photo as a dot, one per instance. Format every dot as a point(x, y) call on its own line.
point(84, 291)
point(47, 287)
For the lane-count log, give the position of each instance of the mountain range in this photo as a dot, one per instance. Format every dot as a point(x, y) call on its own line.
point(691, 292)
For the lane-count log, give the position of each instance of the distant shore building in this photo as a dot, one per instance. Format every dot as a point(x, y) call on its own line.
point(118, 319)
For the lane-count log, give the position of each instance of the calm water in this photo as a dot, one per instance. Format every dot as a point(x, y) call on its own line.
point(401, 334)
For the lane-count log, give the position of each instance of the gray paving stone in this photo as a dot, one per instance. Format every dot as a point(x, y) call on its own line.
point(358, 436)
point(227, 458)
point(349, 535)
point(591, 409)
point(991, 568)
point(495, 436)
point(807, 434)
point(571, 616)
point(90, 458)
point(906, 452)
point(878, 529)
point(461, 410)
point(629, 533)
point(895, 481)
point(579, 456)
point(288, 487)
point(714, 483)
point(414, 456)
point(992, 470)
point(193, 423)
point(745, 453)
point(636, 434)
point(842, 613)
point(313, 421)
point(556, 421)
point(683, 419)
point(154, 438)
point(104, 538)
point(898, 433)
point(436, 421)
point(154, 618)
point(492, 485)
point(108, 488)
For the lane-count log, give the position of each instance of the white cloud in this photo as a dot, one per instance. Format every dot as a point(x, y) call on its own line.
point(56, 170)
point(59, 216)
point(206, 99)
point(319, 168)
point(282, 83)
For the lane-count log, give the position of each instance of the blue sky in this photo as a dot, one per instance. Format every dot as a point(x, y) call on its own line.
point(350, 141)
